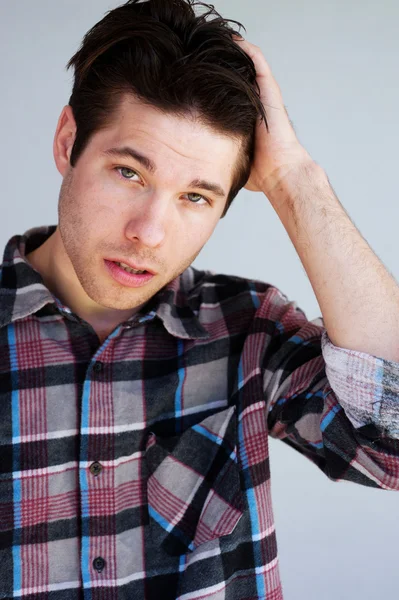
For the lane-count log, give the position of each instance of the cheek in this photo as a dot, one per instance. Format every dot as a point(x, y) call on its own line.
point(195, 235)
point(84, 218)
point(99, 205)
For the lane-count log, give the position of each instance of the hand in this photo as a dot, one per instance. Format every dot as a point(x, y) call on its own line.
point(277, 151)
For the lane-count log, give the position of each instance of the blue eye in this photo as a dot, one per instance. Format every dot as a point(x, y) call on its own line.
point(196, 198)
point(126, 173)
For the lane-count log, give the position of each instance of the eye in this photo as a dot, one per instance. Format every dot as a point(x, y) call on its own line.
point(126, 173)
point(196, 199)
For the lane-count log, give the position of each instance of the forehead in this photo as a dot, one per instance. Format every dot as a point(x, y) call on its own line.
point(180, 143)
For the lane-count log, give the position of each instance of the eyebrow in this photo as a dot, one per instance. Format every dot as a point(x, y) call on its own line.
point(149, 165)
point(127, 152)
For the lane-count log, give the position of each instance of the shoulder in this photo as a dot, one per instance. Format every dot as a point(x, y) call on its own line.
point(231, 294)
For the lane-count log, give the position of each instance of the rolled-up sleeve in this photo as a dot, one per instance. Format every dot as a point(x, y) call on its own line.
point(366, 386)
point(338, 407)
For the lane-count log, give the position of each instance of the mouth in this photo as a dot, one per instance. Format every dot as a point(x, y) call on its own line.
point(127, 274)
point(130, 269)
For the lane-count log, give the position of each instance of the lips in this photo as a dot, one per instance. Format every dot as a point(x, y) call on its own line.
point(127, 278)
point(128, 263)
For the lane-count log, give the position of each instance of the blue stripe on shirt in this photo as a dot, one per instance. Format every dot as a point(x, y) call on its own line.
point(16, 434)
point(181, 373)
point(253, 511)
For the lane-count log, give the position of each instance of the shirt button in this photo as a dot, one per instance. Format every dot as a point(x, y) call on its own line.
point(99, 564)
point(97, 367)
point(96, 468)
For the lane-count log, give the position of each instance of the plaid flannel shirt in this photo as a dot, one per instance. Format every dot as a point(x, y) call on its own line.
point(139, 468)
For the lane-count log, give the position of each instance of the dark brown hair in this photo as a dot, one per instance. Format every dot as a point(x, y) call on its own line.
point(169, 57)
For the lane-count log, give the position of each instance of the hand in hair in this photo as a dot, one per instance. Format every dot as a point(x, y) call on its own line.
point(277, 148)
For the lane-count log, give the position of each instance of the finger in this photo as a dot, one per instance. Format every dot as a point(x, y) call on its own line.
point(264, 73)
point(271, 96)
point(255, 53)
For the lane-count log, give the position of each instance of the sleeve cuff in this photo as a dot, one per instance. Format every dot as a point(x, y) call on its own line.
point(367, 387)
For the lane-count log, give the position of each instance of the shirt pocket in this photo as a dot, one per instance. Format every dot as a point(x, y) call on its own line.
point(193, 488)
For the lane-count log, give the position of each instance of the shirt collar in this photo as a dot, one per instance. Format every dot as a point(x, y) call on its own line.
point(176, 306)
point(23, 292)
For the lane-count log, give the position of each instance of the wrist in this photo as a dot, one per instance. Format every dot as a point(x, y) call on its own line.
point(289, 181)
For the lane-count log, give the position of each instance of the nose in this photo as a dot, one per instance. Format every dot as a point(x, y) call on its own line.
point(148, 221)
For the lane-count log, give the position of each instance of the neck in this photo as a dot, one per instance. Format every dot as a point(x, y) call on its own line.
point(53, 264)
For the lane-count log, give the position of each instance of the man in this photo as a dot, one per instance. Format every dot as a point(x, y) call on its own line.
point(137, 393)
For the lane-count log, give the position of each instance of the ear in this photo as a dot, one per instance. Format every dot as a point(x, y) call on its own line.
point(64, 139)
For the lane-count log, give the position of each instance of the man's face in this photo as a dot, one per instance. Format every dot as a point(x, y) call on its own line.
point(152, 213)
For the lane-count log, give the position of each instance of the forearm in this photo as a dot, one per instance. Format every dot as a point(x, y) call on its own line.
point(358, 297)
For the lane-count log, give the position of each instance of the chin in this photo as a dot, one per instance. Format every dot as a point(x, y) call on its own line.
point(123, 301)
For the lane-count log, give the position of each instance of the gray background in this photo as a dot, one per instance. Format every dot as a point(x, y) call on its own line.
point(336, 63)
